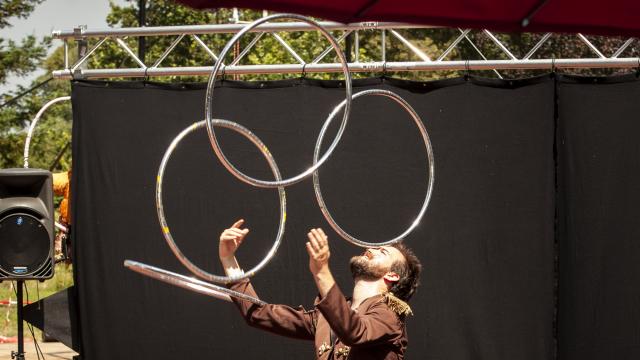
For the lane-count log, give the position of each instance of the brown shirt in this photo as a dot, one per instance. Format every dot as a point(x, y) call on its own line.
point(372, 332)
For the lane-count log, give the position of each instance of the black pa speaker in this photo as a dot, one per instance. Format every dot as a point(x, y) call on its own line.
point(26, 224)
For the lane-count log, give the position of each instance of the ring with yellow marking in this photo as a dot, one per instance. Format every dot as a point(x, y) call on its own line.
point(163, 221)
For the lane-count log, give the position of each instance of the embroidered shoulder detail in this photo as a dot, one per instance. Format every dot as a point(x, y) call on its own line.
point(396, 305)
point(235, 272)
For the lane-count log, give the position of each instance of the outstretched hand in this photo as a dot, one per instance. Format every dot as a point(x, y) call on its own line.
point(318, 250)
point(230, 240)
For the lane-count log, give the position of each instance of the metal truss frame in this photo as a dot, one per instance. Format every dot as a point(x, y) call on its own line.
point(78, 69)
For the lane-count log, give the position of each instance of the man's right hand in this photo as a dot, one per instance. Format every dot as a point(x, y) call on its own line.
point(230, 240)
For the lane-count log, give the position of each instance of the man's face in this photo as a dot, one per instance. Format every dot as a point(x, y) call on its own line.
point(374, 263)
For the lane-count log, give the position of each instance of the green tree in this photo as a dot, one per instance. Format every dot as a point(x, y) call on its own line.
point(189, 53)
point(19, 59)
point(16, 59)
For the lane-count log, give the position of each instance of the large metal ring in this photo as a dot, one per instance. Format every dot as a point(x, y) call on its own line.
point(27, 143)
point(427, 144)
point(346, 104)
point(34, 122)
point(163, 222)
point(188, 283)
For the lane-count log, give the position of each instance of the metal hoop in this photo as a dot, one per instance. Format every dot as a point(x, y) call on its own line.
point(188, 283)
point(27, 143)
point(161, 216)
point(34, 122)
point(427, 143)
point(209, 105)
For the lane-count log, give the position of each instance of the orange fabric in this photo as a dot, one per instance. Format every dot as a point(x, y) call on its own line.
point(61, 186)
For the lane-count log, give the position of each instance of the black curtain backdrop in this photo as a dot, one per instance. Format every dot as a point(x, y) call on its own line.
point(501, 280)
point(599, 243)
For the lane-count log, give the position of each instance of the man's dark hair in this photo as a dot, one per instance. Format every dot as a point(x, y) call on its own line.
point(408, 271)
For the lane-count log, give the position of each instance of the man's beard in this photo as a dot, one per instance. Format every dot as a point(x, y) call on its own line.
point(361, 268)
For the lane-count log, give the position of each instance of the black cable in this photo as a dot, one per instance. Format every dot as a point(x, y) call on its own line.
point(35, 342)
point(11, 101)
point(59, 157)
point(30, 326)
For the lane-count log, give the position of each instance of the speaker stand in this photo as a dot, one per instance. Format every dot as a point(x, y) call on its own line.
point(19, 355)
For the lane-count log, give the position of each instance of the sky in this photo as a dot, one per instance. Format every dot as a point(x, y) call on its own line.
point(56, 15)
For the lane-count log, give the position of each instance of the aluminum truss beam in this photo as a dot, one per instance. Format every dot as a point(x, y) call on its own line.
point(80, 32)
point(549, 64)
point(78, 71)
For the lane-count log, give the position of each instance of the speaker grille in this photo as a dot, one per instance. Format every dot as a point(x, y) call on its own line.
point(24, 245)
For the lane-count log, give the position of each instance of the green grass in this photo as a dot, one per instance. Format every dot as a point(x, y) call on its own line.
point(62, 279)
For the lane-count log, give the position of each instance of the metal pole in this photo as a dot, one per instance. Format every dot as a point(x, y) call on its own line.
point(142, 22)
point(20, 324)
point(20, 354)
point(66, 54)
point(347, 47)
point(83, 45)
point(230, 28)
point(547, 64)
point(384, 46)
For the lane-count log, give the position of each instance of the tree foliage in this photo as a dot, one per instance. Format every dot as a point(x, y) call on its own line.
point(54, 128)
point(24, 57)
point(16, 59)
point(268, 50)
point(20, 59)
point(15, 8)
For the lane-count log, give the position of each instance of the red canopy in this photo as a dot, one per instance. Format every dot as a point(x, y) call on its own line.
point(612, 17)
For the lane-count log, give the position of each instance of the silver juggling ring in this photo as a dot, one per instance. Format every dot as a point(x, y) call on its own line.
point(27, 142)
point(346, 104)
point(188, 283)
point(160, 209)
point(430, 180)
